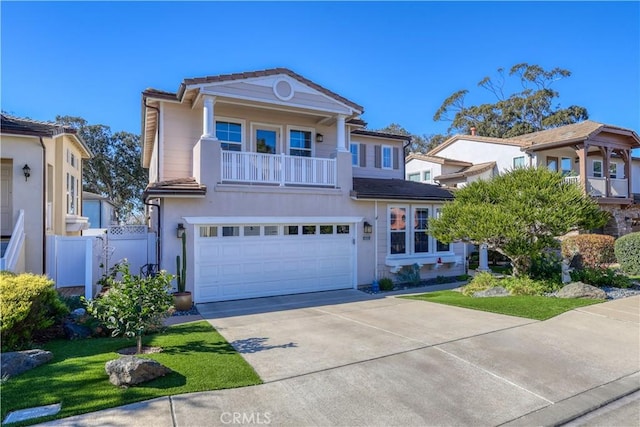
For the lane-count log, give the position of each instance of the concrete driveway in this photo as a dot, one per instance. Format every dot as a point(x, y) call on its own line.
point(348, 358)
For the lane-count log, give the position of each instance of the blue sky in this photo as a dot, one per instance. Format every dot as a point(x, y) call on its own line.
point(398, 60)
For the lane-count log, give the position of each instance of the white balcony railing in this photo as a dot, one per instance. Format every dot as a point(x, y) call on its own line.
point(597, 187)
point(280, 169)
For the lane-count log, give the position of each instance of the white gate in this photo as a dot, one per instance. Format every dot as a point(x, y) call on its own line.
point(82, 261)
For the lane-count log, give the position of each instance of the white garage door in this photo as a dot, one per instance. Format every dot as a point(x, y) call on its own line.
point(257, 260)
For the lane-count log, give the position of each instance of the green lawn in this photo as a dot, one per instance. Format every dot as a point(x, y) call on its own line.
point(201, 359)
point(539, 308)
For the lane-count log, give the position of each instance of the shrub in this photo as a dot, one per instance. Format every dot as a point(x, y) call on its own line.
point(386, 284)
point(601, 277)
point(546, 266)
point(134, 304)
point(481, 282)
point(627, 250)
point(589, 250)
point(524, 285)
point(410, 274)
point(30, 304)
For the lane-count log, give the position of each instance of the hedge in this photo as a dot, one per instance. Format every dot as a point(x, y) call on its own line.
point(589, 250)
point(30, 303)
point(627, 250)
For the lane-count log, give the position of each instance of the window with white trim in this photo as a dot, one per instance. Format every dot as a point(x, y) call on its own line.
point(518, 162)
point(426, 176)
point(73, 194)
point(408, 231)
point(597, 168)
point(300, 143)
point(414, 177)
point(387, 157)
point(613, 170)
point(230, 135)
point(355, 158)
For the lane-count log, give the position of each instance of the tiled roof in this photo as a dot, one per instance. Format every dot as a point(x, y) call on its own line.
point(175, 187)
point(467, 172)
point(159, 94)
point(397, 189)
point(265, 73)
point(20, 126)
point(380, 134)
point(356, 121)
point(436, 159)
point(568, 133)
point(476, 138)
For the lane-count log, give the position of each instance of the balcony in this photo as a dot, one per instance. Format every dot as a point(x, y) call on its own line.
point(597, 187)
point(277, 169)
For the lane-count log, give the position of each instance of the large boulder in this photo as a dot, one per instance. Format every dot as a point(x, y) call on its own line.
point(17, 362)
point(73, 331)
point(132, 370)
point(496, 291)
point(581, 290)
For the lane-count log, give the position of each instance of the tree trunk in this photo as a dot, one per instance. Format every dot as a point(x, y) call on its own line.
point(139, 349)
point(521, 265)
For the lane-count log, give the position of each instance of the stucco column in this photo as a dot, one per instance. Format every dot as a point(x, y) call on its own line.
point(340, 137)
point(483, 262)
point(208, 117)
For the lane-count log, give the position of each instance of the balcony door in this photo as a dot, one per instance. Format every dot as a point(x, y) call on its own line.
point(267, 139)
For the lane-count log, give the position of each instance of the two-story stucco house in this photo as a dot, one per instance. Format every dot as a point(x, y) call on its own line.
point(281, 190)
point(595, 156)
point(41, 189)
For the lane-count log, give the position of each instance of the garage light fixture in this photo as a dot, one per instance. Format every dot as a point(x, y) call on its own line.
point(27, 172)
point(319, 138)
point(180, 230)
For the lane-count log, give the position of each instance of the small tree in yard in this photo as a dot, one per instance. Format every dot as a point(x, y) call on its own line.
point(518, 214)
point(134, 304)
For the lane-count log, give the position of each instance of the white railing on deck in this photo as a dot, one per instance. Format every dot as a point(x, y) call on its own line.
point(619, 188)
point(572, 179)
point(10, 258)
point(597, 187)
point(278, 169)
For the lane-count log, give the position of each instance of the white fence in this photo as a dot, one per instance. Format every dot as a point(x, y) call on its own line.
point(82, 261)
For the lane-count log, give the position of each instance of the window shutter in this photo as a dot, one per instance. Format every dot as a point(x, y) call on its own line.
point(378, 156)
point(396, 158)
point(363, 155)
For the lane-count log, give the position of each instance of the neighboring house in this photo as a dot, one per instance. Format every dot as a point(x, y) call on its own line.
point(593, 155)
point(281, 189)
point(41, 189)
point(100, 211)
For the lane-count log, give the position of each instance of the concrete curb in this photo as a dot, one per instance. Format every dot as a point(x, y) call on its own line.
point(581, 404)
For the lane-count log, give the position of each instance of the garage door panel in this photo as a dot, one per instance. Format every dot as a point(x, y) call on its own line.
point(235, 267)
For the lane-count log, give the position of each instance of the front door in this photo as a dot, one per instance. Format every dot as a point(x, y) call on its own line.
point(6, 197)
point(266, 139)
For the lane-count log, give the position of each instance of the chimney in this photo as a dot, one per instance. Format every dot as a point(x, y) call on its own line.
point(473, 131)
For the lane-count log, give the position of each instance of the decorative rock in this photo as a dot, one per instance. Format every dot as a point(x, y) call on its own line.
point(581, 290)
point(74, 332)
point(496, 291)
point(78, 312)
point(17, 362)
point(131, 370)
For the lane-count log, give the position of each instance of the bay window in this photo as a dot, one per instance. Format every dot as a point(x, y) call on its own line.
point(408, 231)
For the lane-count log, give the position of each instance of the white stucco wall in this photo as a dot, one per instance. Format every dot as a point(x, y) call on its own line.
point(481, 152)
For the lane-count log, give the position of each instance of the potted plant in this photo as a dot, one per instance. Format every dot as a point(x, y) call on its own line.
point(182, 300)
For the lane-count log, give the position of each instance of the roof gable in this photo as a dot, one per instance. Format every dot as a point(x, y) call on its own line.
point(475, 138)
point(279, 85)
